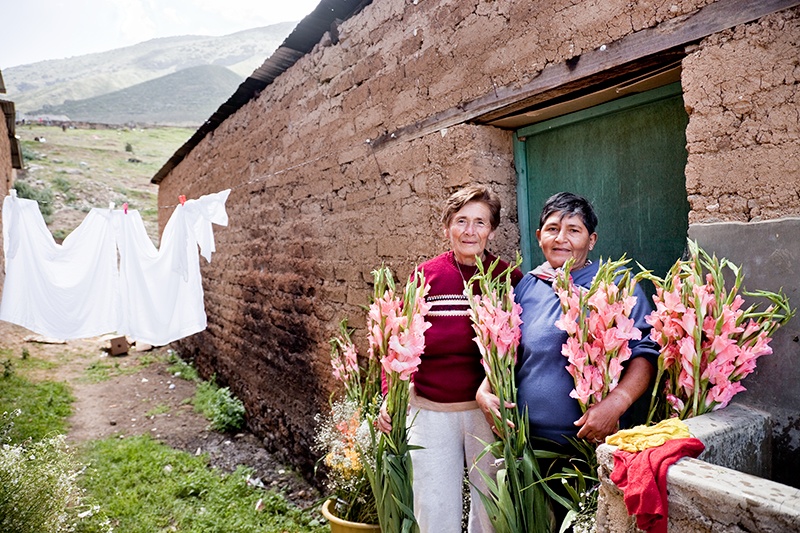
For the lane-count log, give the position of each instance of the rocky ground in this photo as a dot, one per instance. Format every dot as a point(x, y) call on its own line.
point(136, 394)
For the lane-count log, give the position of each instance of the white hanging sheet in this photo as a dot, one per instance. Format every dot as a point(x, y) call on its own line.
point(161, 290)
point(65, 291)
point(77, 289)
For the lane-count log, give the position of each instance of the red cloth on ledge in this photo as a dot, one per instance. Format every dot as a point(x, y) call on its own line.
point(642, 476)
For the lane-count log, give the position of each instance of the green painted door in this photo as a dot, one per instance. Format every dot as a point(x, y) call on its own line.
point(628, 158)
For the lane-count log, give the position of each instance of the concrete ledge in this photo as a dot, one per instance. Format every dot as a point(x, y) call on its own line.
point(710, 498)
point(711, 493)
point(737, 437)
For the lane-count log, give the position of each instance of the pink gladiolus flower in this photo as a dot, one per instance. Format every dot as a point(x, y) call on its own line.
point(672, 301)
point(615, 372)
point(351, 357)
point(704, 295)
point(598, 326)
point(628, 304)
point(689, 322)
point(675, 402)
point(723, 393)
point(575, 355)
point(761, 347)
point(582, 391)
point(686, 382)
point(568, 322)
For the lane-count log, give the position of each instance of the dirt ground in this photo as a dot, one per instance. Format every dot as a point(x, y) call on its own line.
point(135, 394)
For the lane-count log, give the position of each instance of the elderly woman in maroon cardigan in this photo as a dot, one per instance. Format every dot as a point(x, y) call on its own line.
point(448, 424)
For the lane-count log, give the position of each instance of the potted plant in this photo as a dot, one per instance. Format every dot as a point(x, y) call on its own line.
point(344, 439)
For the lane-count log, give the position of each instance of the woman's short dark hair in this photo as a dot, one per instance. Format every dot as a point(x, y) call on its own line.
point(569, 204)
point(472, 193)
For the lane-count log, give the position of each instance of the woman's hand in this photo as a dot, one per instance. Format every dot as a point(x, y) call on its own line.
point(384, 421)
point(490, 405)
point(602, 419)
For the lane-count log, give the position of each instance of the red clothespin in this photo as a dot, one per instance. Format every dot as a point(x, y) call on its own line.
point(182, 198)
point(125, 207)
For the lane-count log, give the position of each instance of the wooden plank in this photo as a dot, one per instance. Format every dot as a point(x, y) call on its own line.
point(634, 47)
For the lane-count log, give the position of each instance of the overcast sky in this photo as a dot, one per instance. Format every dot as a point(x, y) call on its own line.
point(36, 30)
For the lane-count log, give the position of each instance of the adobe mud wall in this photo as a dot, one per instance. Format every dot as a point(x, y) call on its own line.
point(742, 94)
point(6, 176)
point(314, 207)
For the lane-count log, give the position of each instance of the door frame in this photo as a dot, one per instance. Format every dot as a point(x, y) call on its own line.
point(528, 220)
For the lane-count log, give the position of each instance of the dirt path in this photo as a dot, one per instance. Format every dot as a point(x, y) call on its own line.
point(135, 394)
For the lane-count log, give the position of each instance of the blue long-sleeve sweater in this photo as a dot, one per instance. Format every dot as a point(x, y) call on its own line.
point(542, 378)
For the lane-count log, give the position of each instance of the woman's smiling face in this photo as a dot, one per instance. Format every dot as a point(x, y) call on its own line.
point(562, 237)
point(469, 230)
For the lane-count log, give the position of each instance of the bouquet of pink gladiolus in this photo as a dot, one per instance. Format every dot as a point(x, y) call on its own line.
point(396, 328)
point(598, 324)
point(516, 499)
point(709, 343)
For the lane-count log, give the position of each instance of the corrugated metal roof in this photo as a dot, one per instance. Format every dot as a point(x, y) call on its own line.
point(300, 42)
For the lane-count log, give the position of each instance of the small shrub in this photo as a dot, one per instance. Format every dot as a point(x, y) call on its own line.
point(219, 406)
point(128, 147)
point(39, 491)
point(43, 196)
point(61, 184)
point(30, 155)
point(25, 353)
point(8, 368)
point(59, 234)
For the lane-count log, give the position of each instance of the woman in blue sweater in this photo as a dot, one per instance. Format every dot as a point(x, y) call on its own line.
point(567, 229)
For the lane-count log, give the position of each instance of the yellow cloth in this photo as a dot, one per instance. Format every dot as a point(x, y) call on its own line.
point(640, 438)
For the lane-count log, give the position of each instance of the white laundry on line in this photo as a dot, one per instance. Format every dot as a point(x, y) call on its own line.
point(77, 289)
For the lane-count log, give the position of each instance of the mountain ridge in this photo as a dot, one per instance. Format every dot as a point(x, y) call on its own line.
point(52, 82)
point(184, 98)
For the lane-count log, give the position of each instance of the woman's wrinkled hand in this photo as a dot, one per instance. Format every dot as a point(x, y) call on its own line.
point(384, 421)
point(490, 405)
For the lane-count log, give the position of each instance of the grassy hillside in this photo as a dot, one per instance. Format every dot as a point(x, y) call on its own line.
point(76, 78)
point(75, 170)
point(186, 98)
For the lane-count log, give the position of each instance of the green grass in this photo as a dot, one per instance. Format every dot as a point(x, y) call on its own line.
point(44, 407)
point(102, 371)
point(146, 487)
point(159, 409)
point(181, 369)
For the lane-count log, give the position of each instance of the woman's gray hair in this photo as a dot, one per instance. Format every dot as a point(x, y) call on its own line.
point(472, 193)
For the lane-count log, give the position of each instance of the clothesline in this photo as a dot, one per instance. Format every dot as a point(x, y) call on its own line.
point(82, 288)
